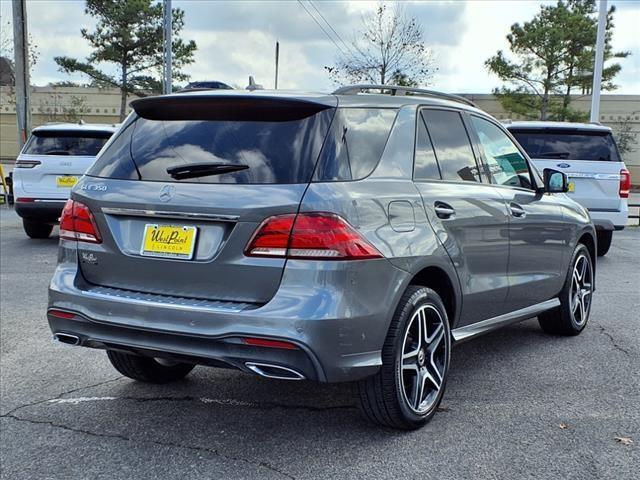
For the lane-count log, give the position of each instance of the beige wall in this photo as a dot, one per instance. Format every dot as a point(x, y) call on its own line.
point(103, 107)
point(49, 104)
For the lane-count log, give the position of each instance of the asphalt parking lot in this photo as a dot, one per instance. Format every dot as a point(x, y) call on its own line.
point(519, 404)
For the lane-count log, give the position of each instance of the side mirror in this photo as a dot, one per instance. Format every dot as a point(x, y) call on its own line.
point(555, 181)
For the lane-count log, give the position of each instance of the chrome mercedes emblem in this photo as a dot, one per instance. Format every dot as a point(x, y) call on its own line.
point(167, 192)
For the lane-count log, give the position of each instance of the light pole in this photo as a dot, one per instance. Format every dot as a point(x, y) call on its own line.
point(599, 60)
point(168, 20)
point(21, 57)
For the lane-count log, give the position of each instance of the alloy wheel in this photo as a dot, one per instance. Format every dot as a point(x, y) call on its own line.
point(581, 289)
point(424, 354)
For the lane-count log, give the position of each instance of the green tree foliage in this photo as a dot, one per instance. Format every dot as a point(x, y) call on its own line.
point(128, 36)
point(554, 57)
point(389, 48)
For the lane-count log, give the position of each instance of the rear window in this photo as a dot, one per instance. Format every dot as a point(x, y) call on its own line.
point(568, 144)
point(51, 142)
point(275, 152)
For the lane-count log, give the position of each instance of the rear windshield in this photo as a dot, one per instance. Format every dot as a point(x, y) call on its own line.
point(51, 142)
point(568, 144)
point(278, 151)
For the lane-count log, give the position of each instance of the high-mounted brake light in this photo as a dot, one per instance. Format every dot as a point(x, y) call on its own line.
point(77, 223)
point(317, 235)
point(625, 183)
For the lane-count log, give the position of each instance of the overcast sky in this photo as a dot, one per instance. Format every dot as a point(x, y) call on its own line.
point(236, 39)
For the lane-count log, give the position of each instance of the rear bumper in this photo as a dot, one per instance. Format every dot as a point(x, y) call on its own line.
point(337, 313)
point(610, 219)
point(45, 210)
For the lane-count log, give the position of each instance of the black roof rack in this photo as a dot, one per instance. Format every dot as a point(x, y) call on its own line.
point(397, 90)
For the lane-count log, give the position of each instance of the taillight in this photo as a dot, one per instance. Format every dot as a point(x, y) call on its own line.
point(318, 235)
point(27, 163)
point(625, 183)
point(77, 223)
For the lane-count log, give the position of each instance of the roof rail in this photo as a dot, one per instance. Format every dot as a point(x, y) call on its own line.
point(399, 91)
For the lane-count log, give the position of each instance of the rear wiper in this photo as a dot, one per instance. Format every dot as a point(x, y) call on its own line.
point(195, 170)
point(552, 155)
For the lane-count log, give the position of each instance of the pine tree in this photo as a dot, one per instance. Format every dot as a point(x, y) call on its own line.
point(129, 35)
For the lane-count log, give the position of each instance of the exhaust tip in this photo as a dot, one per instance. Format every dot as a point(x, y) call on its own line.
point(67, 338)
point(274, 371)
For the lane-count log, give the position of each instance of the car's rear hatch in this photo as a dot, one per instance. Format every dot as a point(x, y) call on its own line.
point(139, 207)
point(53, 160)
point(589, 157)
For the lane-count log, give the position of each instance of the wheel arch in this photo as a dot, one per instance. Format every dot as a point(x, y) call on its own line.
point(445, 285)
point(588, 239)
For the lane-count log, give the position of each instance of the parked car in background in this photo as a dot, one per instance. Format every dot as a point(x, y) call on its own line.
point(51, 162)
point(598, 178)
point(207, 85)
point(325, 237)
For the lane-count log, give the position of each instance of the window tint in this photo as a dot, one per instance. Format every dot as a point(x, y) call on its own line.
point(426, 165)
point(355, 143)
point(51, 142)
point(274, 151)
point(504, 162)
point(568, 144)
point(452, 146)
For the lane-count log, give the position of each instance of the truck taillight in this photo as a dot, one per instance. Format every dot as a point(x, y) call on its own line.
point(77, 223)
point(317, 235)
point(625, 183)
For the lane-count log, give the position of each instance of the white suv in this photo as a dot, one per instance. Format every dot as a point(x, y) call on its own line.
point(587, 153)
point(51, 162)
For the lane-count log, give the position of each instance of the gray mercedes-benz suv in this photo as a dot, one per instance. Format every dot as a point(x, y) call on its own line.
point(345, 237)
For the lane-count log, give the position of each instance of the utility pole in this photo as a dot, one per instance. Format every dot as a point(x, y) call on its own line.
point(599, 60)
point(21, 50)
point(168, 20)
point(277, 60)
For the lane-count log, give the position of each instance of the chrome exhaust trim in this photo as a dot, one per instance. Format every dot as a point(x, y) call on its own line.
point(274, 371)
point(67, 338)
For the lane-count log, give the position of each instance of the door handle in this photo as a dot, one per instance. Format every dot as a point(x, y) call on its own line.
point(517, 210)
point(444, 210)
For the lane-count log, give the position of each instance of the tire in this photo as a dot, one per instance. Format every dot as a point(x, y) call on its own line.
point(36, 229)
point(604, 241)
point(388, 398)
point(147, 369)
point(572, 315)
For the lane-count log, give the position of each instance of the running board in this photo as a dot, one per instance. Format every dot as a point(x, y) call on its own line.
point(468, 332)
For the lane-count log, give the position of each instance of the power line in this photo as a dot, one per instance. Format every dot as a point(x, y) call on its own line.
point(346, 45)
point(322, 28)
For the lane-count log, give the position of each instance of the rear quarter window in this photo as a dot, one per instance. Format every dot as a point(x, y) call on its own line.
point(354, 144)
point(568, 144)
point(52, 142)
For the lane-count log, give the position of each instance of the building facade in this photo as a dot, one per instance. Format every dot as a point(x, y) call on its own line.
point(94, 105)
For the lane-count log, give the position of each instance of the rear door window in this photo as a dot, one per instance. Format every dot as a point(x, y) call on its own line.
point(52, 142)
point(504, 162)
point(355, 143)
point(452, 145)
point(567, 144)
point(425, 164)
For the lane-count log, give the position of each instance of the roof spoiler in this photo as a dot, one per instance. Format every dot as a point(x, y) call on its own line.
point(225, 107)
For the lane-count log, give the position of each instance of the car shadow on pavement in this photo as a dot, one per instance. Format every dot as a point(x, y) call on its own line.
point(216, 408)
